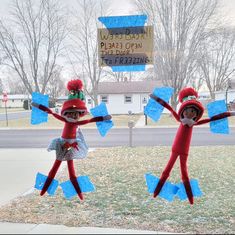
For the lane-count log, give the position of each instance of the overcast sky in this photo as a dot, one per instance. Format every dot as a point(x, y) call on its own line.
point(124, 7)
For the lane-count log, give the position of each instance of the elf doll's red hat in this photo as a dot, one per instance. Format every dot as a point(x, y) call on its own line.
point(188, 97)
point(76, 98)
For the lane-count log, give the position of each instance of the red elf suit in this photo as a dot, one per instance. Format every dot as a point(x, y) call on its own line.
point(71, 145)
point(188, 97)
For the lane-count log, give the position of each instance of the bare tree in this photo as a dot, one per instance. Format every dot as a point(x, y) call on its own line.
point(180, 27)
point(33, 47)
point(15, 85)
point(120, 76)
point(217, 59)
point(85, 46)
point(1, 87)
point(56, 86)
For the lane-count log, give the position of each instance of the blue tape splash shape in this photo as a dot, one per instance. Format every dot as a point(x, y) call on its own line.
point(153, 109)
point(38, 116)
point(84, 183)
point(168, 191)
point(104, 126)
point(40, 181)
point(114, 22)
point(219, 126)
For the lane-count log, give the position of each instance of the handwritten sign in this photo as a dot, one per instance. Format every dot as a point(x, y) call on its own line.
point(125, 46)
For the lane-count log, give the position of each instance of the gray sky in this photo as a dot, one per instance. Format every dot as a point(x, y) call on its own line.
point(124, 7)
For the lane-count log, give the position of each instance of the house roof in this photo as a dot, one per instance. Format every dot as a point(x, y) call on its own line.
point(127, 87)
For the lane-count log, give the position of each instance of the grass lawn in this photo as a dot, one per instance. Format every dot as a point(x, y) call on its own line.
point(121, 199)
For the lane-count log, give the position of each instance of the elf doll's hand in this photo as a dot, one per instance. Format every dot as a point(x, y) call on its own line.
point(41, 107)
point(35, 105)
point(156, 98)
point(107, 117)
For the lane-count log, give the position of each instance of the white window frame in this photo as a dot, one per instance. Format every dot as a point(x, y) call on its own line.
point(89, 101)
point(102, 98)
point(125, 99)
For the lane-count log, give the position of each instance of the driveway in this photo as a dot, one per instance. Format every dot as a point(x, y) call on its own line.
point(18, 169)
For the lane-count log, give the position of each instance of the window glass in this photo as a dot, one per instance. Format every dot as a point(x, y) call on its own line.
point(128, 99)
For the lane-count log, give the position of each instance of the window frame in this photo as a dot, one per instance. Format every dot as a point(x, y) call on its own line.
point(101, 99)
point(125, 99)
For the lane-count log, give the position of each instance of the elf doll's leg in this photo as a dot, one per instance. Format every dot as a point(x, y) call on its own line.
point(73, 178)
point(185, 178)
point(166, 173)
point(51, 176)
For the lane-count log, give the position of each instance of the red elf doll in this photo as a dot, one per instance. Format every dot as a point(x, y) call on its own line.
point(71, 145)
point(189, 115)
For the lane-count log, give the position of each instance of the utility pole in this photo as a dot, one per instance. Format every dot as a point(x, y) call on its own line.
point(5, 99)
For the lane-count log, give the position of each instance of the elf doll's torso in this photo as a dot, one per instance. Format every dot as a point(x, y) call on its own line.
point(69, 131)
point(182, 139)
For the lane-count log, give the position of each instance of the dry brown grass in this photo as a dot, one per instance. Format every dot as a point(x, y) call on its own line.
point(121, 199)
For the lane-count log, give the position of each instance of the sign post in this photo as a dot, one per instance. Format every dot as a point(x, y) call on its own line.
point(5, 99)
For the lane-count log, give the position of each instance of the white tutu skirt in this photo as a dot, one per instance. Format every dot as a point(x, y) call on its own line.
point(66, 154)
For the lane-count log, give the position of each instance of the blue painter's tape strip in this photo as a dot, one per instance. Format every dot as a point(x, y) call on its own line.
point(153, 109)
point(195, 190)
point(40, 181)
point(129, 68)
point(105, 126)
point(38, 116)
point(168, 191)
point(84, 183)
point(219, 126)
point(123, 21)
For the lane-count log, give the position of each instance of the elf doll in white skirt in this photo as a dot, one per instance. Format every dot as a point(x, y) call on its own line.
point(71, 145)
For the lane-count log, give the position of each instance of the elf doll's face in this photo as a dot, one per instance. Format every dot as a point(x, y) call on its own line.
point(75, 115)
point(190, 113)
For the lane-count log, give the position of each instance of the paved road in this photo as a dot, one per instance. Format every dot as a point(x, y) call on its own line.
point(116, 137)
point(16, 115)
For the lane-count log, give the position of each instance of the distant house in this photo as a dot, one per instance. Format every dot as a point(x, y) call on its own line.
point(228, 96)
point(126, 97)
point(14, 101)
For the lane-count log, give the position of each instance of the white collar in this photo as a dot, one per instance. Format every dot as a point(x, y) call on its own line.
point(187, 121)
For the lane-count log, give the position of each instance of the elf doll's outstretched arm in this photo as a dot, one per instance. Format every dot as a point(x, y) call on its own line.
point(215, 118)
point(49, 111)
point(166, 105)
point(95, 119)
point(61, 118)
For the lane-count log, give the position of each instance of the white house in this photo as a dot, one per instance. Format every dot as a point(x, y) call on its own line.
point(228, 95)
point(126, 97)
point(14, 101)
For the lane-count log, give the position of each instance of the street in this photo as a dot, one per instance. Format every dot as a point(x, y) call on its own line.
point(14, 115)
point(40, 138)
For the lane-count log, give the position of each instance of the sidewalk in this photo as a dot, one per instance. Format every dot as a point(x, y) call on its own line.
point(19, 167)
point(11, 228)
